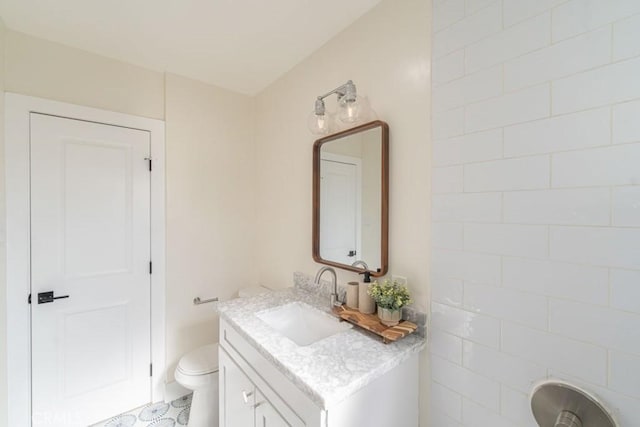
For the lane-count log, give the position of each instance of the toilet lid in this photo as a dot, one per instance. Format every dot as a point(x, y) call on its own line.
point(200, 361)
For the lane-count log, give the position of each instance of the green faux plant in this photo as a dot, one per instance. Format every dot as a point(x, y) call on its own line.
point(390, 294)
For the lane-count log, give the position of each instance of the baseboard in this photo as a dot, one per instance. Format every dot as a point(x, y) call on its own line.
point(173, 391)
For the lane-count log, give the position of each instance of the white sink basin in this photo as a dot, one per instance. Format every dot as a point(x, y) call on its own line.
point(302, 323)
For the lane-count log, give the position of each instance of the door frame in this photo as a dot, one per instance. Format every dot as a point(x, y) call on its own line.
point(18, 257)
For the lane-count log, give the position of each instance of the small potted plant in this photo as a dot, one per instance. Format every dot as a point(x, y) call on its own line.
point(390, 296)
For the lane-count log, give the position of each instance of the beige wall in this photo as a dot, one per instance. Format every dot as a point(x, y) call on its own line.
point(50, 70)
point(3, 308)
point(210, 207)
point(386, 53)
point(210, 179)
point(238, 192)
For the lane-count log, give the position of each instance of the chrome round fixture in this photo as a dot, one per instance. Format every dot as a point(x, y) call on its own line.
point(558, 404)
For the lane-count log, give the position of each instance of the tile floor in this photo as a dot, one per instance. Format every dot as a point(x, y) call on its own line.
point(160, 414)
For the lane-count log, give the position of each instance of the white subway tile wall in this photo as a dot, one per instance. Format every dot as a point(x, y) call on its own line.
point(500, 366)
point(561, 59)
point(474, 147)
point(447, 180)
point(585, 129)
point(448, 235)
point(507, 109)
point(448, 68)
point(626, 34)
point(480, 416)
point(449, 123)
point(441, 420)
point(516, 407)
point(625, 375)
point(447, 13)
point(625, 292)
point(472, 6)
point(466, 382)
point(447, 346)
point(447, 400)
point(447, 291)
point(577, 16)
point(466, 324)
point(626, 126)
point(519, 10)
point(475, 87)
point(576, 206)
point(555, 351)
point(626, 201)
point(509, 304)
point(466, 30)
point(521, 38)
point(523, 173)
point(535, 206)
point(587, 90)
point(481, 207)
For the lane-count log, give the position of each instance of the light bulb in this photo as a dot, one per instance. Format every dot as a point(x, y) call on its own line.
point(318, 123)
point(367, 113)
point(350, 109)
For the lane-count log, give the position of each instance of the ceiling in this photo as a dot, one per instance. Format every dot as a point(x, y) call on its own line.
point(241, 45)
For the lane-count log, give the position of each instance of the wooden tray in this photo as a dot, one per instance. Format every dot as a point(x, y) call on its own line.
point(371, 323)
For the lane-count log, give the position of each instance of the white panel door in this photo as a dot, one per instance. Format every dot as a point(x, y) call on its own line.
point(90, 241)
point(339, 211)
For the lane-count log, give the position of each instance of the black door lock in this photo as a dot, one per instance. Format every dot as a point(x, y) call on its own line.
point(351, 253)
point(45, 297)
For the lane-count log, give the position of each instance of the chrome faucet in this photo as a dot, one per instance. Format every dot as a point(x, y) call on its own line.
point(361, 263)
point(335, 301)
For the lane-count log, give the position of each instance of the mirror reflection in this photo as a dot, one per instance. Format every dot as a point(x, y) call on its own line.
point(350, 198)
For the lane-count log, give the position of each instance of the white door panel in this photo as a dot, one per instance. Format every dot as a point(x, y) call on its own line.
point(340, 211)
point(97, 235)
point(90, 231)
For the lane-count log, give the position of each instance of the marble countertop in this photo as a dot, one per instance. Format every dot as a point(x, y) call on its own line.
point(329, 370)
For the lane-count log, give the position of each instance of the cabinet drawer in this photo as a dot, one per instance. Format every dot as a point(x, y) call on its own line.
point(284, 396)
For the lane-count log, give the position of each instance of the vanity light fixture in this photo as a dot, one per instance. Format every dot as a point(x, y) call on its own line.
point(350, 108)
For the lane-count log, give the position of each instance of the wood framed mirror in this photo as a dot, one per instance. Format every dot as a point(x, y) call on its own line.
point(351, 199)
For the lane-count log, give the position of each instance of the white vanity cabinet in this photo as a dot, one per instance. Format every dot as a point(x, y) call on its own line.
point(237, 394)
point(254, 392)
point(241, 403)
point(266, 414)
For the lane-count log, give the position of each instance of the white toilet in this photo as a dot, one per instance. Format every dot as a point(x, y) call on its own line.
point(198, 371)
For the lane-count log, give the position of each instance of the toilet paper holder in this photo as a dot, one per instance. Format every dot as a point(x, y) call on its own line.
point(559, 404)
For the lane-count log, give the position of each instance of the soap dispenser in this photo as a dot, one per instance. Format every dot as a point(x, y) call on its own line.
point(366, 304)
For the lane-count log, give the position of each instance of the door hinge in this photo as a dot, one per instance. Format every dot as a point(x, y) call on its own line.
point(150, 160)
point(150, 267)
point(29, 299)
point(150, 369)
